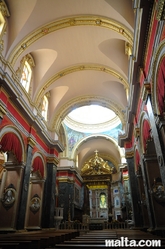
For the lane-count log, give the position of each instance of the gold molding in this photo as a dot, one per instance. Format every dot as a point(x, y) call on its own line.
point(146, 90)
point(129, 154)
point(2, 111)
point(4, 14)
point(3, 8)
point(31, 142)
point(160, 10)
point(137, 132)
point(65, 179)
point(53, 160)
point(80, 68)
point(41, 93)
point(97, 186)
point(66, 23)
point(79, 101)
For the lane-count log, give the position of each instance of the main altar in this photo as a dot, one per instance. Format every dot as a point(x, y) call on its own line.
point(96, 173)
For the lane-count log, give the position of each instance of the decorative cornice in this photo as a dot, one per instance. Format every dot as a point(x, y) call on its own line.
point(146, 90)
point(65, 179)
point(100, 21)
point(148, 31)
point(82, 127)
point(52, 160)
point(137, 132)
point(31, 142)
point(129, 154)
point(2, 111)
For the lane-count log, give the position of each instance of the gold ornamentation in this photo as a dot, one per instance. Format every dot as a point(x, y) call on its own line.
point(52, 160)
point(31, 142)
point(137, 132)
point(129, 154)
point(67, 71)
point(146, 90)
point(1, 45)
point(2, 111)
point(97, 186)
point(160, 10)
point(96, 166)
point(4, 9)
point(66, 23)
point(128, 48)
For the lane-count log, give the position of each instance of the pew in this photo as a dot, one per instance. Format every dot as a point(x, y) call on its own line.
point(38, 239)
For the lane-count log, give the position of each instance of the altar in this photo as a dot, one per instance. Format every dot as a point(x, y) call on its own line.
point(96, 174)
point(97, 224)
point(98, 220)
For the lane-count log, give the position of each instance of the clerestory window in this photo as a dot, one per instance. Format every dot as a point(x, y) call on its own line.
point(45, 107)
point(26, 76)
point(27, 65)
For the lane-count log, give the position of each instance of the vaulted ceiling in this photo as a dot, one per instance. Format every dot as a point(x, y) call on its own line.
point(81, 52)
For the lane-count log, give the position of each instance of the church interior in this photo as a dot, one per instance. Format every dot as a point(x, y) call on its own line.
point(82, 121)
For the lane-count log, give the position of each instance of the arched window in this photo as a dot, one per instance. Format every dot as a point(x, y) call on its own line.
point(26, 73)
point(26, 76)
point(45, 107)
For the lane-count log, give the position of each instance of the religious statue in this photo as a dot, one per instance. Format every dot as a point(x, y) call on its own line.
point(103, 203)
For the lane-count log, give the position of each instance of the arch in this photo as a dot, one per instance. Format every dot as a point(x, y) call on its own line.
point(160, 86)
point(38, 165)
point(102, 22)
point(145, 131)
point(157, 73)
point(70, 70)
point(81, 101)
point(74, 151)
point(18, 150)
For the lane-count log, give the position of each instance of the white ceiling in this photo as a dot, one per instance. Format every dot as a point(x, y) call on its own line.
point(79, 51)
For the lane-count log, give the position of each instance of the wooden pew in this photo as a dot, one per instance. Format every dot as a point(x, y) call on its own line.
point(9, 245)
point(39, 239)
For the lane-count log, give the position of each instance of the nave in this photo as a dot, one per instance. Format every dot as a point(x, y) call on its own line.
point(60, 239)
